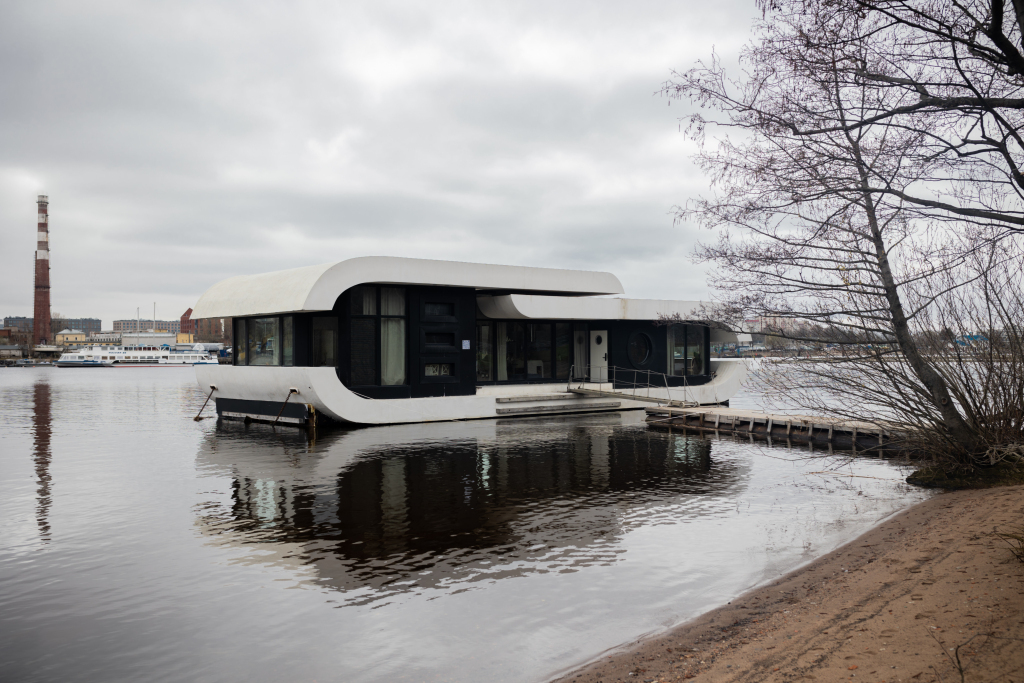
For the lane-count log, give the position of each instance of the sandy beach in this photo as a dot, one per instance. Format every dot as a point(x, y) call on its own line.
point(902, 602)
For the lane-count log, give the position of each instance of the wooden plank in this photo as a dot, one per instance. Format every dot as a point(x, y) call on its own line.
point(534, 397)
point(561, 408)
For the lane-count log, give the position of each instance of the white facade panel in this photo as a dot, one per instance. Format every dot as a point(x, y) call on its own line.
point(42, 255)
point(42, 237)
point(320, 387)
point(316, 288)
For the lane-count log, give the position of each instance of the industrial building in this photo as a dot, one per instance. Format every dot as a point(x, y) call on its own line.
point(134, 326)
point(89, 326)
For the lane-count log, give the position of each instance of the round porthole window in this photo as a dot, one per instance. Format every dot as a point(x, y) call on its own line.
point(639, 349)
point(599, 340)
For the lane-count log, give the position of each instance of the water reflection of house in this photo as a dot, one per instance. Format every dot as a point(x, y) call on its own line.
point(415, 506)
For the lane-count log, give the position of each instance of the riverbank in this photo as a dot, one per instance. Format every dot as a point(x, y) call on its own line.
point(894, 605)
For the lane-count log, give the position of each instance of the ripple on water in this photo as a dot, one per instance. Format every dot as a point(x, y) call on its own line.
point(138, 544)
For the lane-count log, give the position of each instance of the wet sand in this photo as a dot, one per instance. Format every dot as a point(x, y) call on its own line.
point(899, 603)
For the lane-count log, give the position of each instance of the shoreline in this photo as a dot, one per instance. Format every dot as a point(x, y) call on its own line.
point(887, 606)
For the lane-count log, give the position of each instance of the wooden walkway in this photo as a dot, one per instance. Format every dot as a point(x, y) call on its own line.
point(794, 428)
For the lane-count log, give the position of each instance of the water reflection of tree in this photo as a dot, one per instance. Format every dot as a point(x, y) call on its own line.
point(407, 516)
point(41, 423)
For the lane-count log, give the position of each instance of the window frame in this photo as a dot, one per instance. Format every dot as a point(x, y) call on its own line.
point(378, 317)
point(552, 355)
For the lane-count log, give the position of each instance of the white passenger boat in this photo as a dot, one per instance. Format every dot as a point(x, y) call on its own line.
point(134, 357)
point(383, 340)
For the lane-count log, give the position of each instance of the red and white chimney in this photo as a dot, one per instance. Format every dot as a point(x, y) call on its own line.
point(41, 333)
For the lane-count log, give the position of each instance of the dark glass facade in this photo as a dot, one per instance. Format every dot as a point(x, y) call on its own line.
point(417, 341)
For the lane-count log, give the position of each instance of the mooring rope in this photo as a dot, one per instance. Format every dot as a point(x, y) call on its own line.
point(290, 392)
point(213, 388)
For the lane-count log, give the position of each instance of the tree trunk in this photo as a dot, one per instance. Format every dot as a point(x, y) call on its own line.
point(959, 431)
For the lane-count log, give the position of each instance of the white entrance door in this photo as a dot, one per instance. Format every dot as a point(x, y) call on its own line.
point(599, 355)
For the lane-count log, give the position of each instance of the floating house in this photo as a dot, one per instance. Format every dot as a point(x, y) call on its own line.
point(384, 340)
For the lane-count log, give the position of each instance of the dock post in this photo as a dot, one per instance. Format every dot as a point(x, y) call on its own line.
point(830, 426)
point(770, 426)
point(854, 440)
point(789, 426)
point(751, 428)
point(718, 416)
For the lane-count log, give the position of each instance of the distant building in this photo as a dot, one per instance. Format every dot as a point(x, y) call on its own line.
point(149, 339)
point(216, 330)
point(187, 326)
point(70, 338)
point(106, 338)
point(20, 323)
point(134, 326)
point(185, 338)
point(86, 325)
point(10, 351)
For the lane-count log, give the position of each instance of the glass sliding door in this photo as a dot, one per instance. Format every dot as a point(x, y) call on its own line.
point(695, 360)
point(484, 352)
point(686, 350)
point(677, 350)
point(511, 354)
point(538, 351)
point(581, 351)
point(563, 350)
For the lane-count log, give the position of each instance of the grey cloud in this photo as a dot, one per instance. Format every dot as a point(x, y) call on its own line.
point(181, 143)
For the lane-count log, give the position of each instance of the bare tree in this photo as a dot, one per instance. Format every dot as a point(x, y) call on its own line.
point(953, 71)
point(839, 212)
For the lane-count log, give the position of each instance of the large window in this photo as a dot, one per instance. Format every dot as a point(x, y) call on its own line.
point(484, 352)
point(392, 336)
point(519, 351)
point(538, 351)
point(510, 358)
point(581, 351)
point(687, 350)
point(288, 341)
point(325, 341)
point(263, 341)
point(240, 341)
point(563, 350)
point(377, 341)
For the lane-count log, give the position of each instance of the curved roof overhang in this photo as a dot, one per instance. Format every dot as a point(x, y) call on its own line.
point(528, 306)
point(316, 288)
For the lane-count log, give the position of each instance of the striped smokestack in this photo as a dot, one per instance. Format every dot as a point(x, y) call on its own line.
point(41, 333)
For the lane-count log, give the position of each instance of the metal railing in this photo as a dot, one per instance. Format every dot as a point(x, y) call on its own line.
point(627, 381)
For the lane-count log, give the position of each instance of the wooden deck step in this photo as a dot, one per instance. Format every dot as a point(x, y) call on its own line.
point(560, 408)
point(630, 397)
point(534, 397)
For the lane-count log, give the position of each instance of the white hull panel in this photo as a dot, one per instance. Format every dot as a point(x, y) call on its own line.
point(320, 388)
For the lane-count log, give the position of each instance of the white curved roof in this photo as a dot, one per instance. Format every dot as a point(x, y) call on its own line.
point(316, 288)
point(539, 307)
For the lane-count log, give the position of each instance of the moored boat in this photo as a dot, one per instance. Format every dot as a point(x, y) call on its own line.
point(134, 357)
point(383, 340)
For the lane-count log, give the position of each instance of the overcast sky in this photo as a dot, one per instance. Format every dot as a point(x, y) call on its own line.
point(182, 143)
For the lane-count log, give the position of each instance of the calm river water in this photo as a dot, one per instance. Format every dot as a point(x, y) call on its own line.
point(139, 545)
